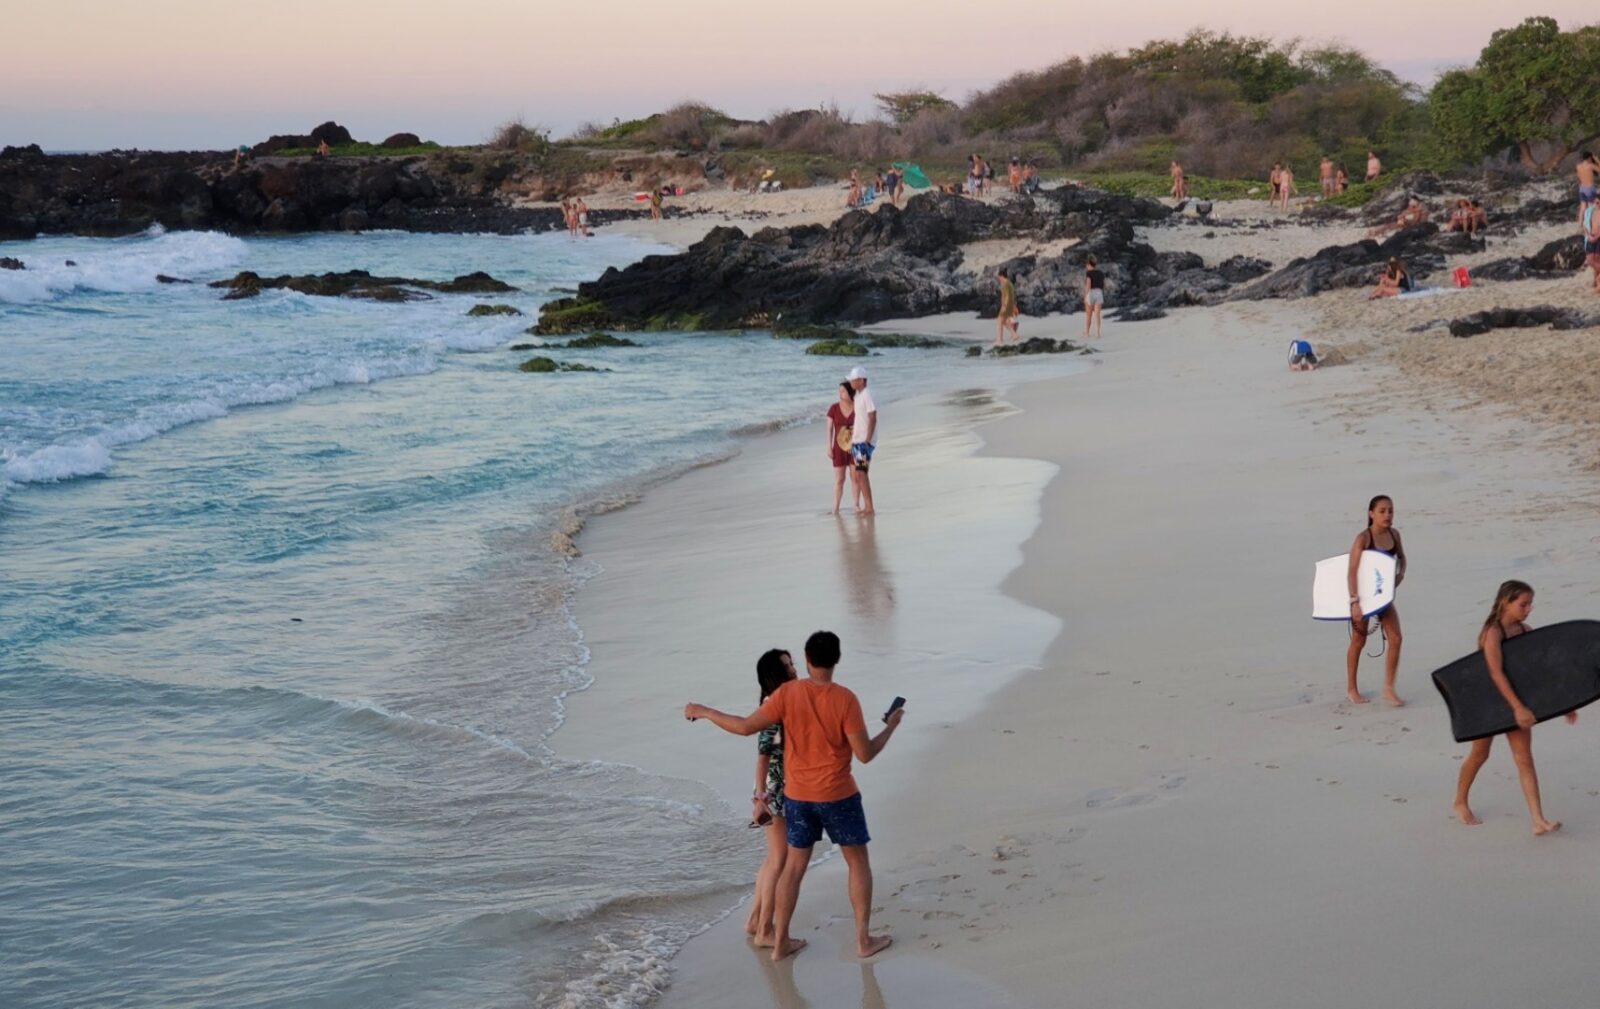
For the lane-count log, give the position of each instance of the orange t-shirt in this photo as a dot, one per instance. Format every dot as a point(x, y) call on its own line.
point(817, 719)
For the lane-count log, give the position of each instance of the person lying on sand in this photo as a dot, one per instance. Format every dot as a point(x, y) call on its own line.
point(1380, 530)
point(1394, 280)
point(1508, 618)
point(822, 729)
point(1415, 213)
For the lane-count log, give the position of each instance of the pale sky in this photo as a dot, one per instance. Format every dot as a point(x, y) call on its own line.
point(95, 74)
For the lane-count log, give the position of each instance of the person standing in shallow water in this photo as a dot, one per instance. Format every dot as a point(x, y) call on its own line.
point(1508, 618)
point(1380, 535)
point(863, 440)
point(823, 728)
point(841, 427)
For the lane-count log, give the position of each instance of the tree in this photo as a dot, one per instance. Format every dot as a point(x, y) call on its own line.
point(903, 106)
point(1532, 85)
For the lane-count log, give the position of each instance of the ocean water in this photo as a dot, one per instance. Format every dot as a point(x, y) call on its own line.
point(284, 629)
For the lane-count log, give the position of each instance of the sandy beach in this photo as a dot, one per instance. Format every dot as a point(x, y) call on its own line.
point(1169, 802)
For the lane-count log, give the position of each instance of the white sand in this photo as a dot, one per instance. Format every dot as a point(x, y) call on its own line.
point(1170, 803)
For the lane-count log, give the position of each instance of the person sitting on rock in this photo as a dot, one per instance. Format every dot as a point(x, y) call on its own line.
point(1458, 217)
point(1477, 218)
point(1030, 178)
point(1415, 213)
point(1393, 281)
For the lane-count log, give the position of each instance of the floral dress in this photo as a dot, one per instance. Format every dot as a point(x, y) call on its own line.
point(769, 744)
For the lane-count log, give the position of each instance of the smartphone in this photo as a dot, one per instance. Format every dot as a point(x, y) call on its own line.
point(899, 702)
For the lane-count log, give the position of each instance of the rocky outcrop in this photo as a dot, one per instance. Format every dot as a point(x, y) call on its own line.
point(545, 365)
point(483, 310)
point(7, 263)
point(1420, 248)
point(889, 263)
point(358, 284)
point(125, 192)
point(1522, 318)
point(402, 140)
point(1554, 260)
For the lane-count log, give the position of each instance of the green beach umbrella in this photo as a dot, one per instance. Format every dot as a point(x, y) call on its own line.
point(913, 175)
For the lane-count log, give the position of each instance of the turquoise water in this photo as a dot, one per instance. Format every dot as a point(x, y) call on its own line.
point(283, 634)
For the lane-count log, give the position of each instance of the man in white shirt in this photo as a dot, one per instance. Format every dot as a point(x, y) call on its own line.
point(864, 439)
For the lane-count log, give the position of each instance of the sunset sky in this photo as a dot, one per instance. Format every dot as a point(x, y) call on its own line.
point(92, 74)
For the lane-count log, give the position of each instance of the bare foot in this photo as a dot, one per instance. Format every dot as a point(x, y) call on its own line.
point(1356, 697)
point(1465, 814)
point(869, 511)
point(787, 948)
point(874, 945)
point(1546, 827)
point(1392, 699)
point(764, 940)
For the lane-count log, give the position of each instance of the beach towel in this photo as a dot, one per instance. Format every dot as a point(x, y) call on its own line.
point(1428, 292)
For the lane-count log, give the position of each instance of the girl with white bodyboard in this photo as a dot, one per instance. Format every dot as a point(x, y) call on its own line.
point(1380, 535)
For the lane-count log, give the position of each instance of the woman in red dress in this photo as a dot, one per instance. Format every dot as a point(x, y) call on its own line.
point(841, 418)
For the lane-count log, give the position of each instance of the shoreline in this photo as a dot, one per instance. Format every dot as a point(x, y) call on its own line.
point(1175, 737)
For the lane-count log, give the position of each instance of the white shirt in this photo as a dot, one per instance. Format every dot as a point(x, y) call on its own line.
point(865, 408)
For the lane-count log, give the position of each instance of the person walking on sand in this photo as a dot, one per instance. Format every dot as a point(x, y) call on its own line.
point(1094, 296)
point(1274, 180)
point(1285, 186)
point(773, 670)
point(822, 728)
point(1374, 166)
point(841, 424)
point(1380, 530)
point(863, 440)
point(1325, 171)
point(1508, 618)
point(1179, 191)
point(655, 204)
point(1007, 316)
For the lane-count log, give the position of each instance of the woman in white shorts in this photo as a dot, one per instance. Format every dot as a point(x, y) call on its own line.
point(1094, 296)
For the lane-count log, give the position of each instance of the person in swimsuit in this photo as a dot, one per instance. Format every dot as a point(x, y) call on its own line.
point(1007, 316)
point(1379, 531)
point(1508, 618)
point(1374, 166)
point(841, 422)
point(1394, 280)
point(1275, 179)
point(1094, 296)
point(1587, 166)
point(1285, 186)
point(1590, 222)
point(1341, 181)
point(773, 670)
point(582, 210)
point(1179, 191)
point(1325, 172)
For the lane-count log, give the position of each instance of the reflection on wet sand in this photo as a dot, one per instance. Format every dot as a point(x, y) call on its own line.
point(786, 995)
point(867, 582)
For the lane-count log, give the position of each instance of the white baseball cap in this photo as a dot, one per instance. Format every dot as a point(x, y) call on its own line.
point(857, 372)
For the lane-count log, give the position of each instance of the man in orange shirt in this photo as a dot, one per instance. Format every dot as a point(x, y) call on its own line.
point(822, 729)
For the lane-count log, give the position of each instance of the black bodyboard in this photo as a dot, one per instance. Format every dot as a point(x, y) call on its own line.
point(1554, 670)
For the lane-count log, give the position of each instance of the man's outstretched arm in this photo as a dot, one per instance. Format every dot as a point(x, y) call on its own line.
point(739, 725)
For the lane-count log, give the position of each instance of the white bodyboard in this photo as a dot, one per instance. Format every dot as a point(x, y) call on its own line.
point(1330, 590)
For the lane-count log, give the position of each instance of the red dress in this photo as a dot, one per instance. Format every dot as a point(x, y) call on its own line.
point(844, 424)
